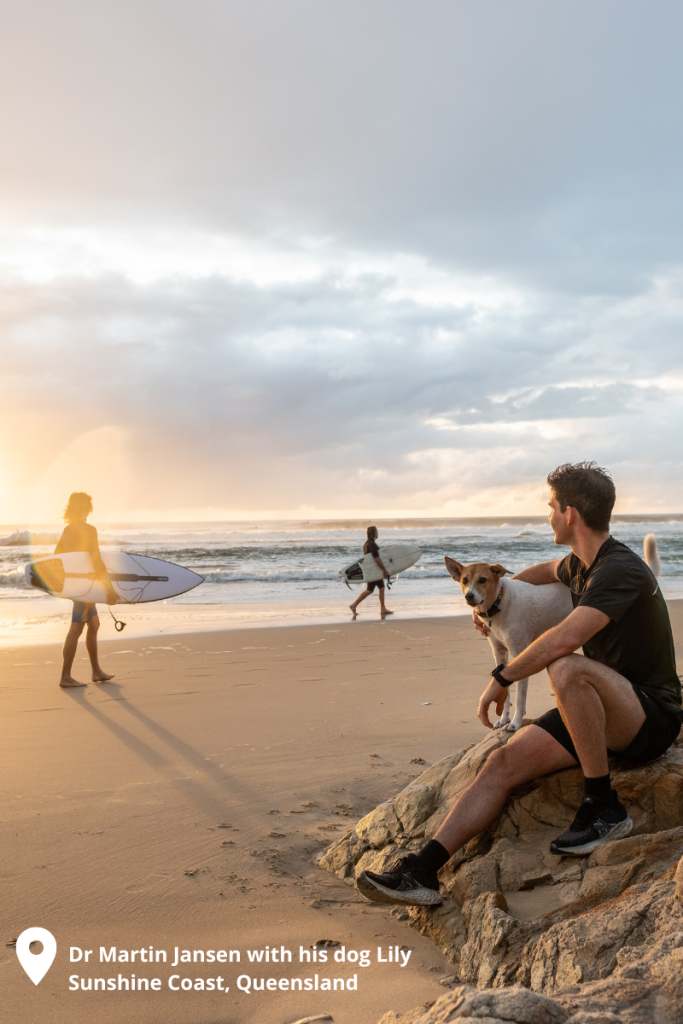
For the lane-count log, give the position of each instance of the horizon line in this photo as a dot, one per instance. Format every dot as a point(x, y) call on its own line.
point(350, 520)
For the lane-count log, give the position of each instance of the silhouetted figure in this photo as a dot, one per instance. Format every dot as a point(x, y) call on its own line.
point(81, 536)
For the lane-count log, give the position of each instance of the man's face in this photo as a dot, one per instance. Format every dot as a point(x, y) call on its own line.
point(558, 520)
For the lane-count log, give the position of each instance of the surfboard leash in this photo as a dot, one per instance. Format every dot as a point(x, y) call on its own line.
point(119, 626)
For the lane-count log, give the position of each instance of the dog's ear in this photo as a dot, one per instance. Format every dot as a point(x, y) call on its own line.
point(499, 570)
point(454, 568)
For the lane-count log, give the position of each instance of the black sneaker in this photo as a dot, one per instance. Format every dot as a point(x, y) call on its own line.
point(409, 883)
point(595, 824)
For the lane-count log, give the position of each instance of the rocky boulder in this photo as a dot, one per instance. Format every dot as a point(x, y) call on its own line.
point(649, 991)
point(512, 1006)
point(517, 915)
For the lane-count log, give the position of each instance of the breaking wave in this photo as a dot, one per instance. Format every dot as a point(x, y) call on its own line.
point(277, 561)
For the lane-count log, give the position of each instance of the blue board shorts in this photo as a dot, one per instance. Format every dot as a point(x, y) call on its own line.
point(83, 612)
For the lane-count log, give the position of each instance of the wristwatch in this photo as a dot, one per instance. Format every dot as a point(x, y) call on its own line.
point(501, 680)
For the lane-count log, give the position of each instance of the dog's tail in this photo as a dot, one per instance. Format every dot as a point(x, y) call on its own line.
point(651, 554)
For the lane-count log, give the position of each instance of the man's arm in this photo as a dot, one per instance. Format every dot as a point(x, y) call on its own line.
point(99, 566)
point(544, 572)
point(565, 638)
point(381, 565)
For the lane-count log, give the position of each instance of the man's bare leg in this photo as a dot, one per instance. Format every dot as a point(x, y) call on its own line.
point(600, 710)
point(69, 653)
point(599, 707)
point(98, 674)
point(605, 712)
point(383, 610)
point(361, 597)
point(531, 753)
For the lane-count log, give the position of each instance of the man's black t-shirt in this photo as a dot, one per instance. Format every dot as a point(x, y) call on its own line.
point(637, 642)
point(370, 548)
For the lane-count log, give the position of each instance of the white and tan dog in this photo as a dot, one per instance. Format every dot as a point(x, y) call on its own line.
point(517, 613)
point(523, 613)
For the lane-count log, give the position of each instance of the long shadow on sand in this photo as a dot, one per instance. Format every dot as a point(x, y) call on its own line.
point(193, 789)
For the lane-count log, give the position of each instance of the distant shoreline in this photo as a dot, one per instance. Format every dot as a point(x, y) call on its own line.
point(399, 522)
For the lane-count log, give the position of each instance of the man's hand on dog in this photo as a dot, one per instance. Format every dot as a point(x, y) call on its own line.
point(493, 694)
point(480, 625)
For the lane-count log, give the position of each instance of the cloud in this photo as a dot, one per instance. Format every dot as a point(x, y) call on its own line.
point(341, 257)
point(532, 137)
point(344, 391)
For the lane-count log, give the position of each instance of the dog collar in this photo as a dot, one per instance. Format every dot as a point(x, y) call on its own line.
point(493, 610)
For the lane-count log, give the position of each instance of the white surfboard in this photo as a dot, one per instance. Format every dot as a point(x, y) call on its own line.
point(396, 558)
point(137, 579)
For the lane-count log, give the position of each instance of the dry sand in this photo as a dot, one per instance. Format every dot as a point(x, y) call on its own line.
point(182, 804)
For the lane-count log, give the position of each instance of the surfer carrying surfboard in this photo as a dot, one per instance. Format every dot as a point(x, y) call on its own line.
point(370, 548)
point(78, 535)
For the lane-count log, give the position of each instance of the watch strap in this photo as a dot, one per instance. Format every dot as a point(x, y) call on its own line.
point(498, 677)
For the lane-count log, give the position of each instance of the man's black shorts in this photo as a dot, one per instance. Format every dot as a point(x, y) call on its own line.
point(375, 583)
point(655, 735)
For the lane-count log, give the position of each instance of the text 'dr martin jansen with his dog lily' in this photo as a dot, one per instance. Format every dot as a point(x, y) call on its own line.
point(623, 697)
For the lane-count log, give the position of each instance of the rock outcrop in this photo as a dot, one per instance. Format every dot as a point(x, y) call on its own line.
point(650, 997)
point(518, 916)
point(514, 1006)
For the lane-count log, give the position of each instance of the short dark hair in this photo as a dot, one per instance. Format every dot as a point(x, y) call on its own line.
point(371, 532)
point(589, 489)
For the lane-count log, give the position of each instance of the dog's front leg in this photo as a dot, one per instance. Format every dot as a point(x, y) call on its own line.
point(501, 655)
point(504, 721)
point(517, 643)
point(521, 687)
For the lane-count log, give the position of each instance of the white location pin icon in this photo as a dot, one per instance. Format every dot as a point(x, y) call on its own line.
point(36, 965)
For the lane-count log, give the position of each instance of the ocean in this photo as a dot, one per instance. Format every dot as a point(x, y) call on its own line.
point(270, 573)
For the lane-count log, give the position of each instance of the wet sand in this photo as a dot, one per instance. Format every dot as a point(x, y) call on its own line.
point(45, 620)
point(183, 804)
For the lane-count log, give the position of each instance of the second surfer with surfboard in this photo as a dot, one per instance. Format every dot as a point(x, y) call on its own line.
point(370, 548)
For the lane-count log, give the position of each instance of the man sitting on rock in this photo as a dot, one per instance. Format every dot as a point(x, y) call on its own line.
point(622, 698)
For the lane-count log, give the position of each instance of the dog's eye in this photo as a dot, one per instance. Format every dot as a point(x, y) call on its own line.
point(482, 579)
point(465, 580)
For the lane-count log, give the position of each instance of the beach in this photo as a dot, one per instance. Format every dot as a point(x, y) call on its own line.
point(183, 805)
point(298, 300)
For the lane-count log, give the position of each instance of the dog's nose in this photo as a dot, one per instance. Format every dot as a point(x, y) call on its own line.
point(470, 598)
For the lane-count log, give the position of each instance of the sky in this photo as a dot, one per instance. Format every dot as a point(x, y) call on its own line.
point(312, 258)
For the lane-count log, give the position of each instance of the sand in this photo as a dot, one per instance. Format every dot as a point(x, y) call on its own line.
point(183, 804)
point(44, 620)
